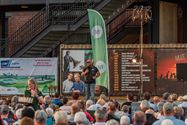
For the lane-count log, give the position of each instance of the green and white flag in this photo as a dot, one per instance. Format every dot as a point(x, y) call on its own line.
point(99, 46)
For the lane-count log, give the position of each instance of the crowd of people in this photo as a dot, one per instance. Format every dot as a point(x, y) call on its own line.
point(152, 110)
point(36, 109)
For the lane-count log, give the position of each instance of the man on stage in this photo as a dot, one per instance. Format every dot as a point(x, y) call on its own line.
point(90, 74)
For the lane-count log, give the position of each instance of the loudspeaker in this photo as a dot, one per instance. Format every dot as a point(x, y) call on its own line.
point(181, 70)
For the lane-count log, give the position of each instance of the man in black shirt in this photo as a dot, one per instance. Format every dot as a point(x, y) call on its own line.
point(129, 101)
point(90, 73)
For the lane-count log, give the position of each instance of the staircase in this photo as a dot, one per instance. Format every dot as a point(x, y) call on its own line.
point(61, 23)
point(121, 25)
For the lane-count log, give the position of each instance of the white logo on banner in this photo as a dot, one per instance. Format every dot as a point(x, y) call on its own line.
point(97, 31)
point(101, 66)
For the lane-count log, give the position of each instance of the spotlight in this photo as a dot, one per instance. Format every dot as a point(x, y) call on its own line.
point(134, 60)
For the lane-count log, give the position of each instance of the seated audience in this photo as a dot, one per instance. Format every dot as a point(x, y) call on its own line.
point(104, 112)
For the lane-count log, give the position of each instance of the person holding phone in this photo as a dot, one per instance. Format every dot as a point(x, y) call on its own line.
point(32, 91)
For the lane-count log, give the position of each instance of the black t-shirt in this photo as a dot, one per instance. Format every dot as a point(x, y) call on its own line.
point(91, 72)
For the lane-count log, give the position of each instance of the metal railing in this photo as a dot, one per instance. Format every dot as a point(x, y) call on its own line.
point(67, 14)
point(118, 24)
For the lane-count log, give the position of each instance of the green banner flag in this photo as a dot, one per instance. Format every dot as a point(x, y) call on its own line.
point(99, 46)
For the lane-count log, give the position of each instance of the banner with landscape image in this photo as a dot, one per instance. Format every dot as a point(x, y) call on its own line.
point(14, 73)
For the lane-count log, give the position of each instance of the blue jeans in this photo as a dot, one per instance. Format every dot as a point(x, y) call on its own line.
point(90, 91)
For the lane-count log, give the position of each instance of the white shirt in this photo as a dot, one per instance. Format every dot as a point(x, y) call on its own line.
point(67, 85)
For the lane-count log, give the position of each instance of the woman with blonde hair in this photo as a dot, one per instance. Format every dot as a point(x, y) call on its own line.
point(32, 91)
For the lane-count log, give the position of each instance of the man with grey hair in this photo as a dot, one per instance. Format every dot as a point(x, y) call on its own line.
point(81, 119)
point(168, 114)
point(112, 122)
point(60, 118)
point(144, 105)
point(40, 117)
point(100, 117)
point(125, 120)
point(139, 118)
point(89, 103)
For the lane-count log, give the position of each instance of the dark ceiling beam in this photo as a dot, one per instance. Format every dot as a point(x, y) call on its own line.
point(32, 2)
point(171, 1)
point(21, 8)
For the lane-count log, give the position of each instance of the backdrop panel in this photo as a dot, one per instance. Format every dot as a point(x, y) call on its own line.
point(164, 67)
point(167, 61)
point(14, 73)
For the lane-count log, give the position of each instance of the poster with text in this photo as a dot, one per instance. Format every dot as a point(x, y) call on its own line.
point(125, 74)
point(14, 73)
